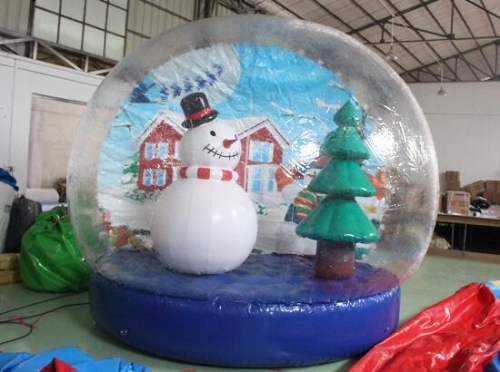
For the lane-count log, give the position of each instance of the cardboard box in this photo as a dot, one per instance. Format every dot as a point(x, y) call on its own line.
point(490, 185)
point(475, 188)
point(452, 176)
point(10, 276)
point(452, 185)
point(9, 261)
point(492, 196)
point(457, 202)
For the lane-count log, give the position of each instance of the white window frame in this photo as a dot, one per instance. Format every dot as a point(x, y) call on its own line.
point(149, 150)
point(145, 174)
point(254, 144)
point(161, 175)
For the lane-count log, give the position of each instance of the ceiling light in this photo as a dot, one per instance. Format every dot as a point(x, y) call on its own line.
point(391, 55)
point(441, 91)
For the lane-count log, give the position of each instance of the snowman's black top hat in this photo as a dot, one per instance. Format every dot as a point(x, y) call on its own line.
point(197, 110)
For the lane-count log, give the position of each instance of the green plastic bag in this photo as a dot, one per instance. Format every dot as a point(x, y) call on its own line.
point(50, 259)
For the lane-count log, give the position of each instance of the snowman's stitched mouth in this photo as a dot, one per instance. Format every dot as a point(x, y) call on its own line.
point(212, 151)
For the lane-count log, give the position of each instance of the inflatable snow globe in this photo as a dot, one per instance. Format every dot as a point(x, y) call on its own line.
point(251, 191)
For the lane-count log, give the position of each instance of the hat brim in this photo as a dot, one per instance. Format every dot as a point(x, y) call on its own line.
point(189, 123)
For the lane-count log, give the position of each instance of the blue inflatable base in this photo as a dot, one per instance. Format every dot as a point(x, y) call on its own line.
point(270, 312)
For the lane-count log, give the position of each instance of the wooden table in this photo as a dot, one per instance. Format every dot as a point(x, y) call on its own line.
point(466, 221)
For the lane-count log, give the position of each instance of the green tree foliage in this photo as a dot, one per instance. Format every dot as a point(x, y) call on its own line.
point(131, 169)
point(338, 217)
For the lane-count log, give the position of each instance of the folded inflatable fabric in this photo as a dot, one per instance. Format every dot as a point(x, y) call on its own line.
point(494, 366)
point(65, 359)
point(7, 178)
point(57, 366)
point(460, 333)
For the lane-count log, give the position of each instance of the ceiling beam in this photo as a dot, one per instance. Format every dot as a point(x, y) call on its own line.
point(7, 49)
point(15, 41)
point(358, 34)
point(451, 30)
point(345, 24)
point(428, 46)
point(475, 41)
point(409, 52)
point(241, 7)
point(413, 41)
point(378, 22)
point(410, 27)
point(461, 57)
point(474, 66)
point(490, 20)
point(482, 7)
point(497, 48)
point(276, 2)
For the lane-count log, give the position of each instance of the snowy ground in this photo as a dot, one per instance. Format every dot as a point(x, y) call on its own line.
point(274, 234)
point(124, 211)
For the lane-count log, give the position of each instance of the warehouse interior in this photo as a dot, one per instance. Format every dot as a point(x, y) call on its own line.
point(54, 54)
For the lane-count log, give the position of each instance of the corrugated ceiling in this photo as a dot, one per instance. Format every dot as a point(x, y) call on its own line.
point(461, 36)
point(452, 40)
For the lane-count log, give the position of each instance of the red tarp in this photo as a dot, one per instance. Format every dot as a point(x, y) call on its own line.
point(460, 333)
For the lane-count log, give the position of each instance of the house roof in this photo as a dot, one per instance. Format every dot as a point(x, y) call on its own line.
point(252, 125)
point(246, 126)
point(170, 117)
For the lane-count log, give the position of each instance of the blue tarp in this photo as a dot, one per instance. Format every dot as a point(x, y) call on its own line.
point(7, 178)
point(28, 362)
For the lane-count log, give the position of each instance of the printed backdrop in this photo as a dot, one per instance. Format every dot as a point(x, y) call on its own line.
point(282, 104)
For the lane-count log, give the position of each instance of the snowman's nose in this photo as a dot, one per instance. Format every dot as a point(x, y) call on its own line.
point(228, 142)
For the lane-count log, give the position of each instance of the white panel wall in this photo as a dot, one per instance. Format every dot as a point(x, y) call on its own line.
point(6, 96)
point(465, 126)
point(21, 79)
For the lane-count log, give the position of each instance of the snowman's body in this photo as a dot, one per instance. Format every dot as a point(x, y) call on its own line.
point(205, 223)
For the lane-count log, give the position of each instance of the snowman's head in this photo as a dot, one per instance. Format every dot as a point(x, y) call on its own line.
point(215, 144)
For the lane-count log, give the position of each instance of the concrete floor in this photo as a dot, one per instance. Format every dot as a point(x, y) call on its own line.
point(438, 277)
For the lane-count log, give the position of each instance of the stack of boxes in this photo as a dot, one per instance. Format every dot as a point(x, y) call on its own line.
point(492, 191)
point(452, 181)
point(9, 268)
point(457, 199)
point(476, 188)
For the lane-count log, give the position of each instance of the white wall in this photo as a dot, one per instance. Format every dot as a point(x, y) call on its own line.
point(465, 126)
point(50, 147)
point(20, 79)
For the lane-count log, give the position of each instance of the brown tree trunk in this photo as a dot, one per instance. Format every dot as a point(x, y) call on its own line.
point(334, 260)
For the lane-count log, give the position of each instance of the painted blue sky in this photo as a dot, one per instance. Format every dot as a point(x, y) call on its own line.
point(299, 95)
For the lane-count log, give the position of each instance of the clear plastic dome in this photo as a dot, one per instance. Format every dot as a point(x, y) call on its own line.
point(279, 82)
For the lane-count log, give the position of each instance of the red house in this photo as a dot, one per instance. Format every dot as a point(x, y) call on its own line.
point(262, 152)
point(262, 146)
point(159, 161)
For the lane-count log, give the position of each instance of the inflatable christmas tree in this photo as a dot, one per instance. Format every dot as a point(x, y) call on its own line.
point(338, 222)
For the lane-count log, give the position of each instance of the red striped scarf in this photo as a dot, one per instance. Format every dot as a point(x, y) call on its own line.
point(206, 173)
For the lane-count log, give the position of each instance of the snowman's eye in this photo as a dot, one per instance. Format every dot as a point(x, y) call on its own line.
point(212, 133)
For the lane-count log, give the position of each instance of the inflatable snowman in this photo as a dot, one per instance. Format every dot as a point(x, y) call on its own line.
point(205, 223)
